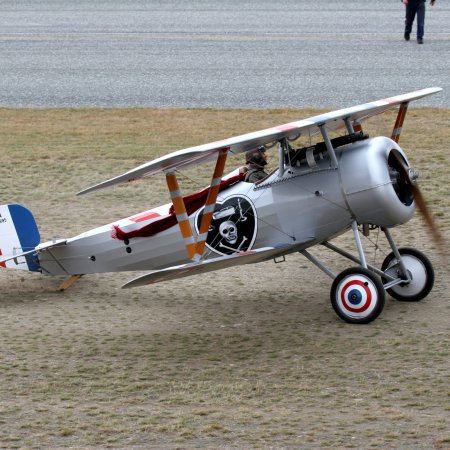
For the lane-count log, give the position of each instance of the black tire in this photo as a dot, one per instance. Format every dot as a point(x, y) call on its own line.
point(357, 295)
point(420, 269)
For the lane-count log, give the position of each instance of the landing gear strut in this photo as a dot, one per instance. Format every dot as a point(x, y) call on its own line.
point(358, 294)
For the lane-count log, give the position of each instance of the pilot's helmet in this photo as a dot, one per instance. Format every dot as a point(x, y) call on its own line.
point(255, 156)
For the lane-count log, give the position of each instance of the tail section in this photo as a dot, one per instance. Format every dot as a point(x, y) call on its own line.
point(18, 234)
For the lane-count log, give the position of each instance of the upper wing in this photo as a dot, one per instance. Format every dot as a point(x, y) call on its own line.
point(239, 144)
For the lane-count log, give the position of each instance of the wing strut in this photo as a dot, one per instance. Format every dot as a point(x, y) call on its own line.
point(399, 121)
point(329, 145)
point(349, 125)
point(195, 249)
point(181, 213)
point(210, 204)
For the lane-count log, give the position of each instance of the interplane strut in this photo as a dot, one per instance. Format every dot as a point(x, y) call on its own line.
point(399, 121)
point(195, 247)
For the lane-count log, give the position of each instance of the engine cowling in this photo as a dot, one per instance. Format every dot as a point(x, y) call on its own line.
point(372, 182)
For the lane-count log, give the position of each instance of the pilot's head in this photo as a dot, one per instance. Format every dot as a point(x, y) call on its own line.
point(257, 156)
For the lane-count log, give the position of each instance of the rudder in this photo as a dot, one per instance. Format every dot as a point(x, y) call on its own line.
point(18, 234)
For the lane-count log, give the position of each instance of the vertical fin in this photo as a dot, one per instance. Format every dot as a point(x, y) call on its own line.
point(18, 234)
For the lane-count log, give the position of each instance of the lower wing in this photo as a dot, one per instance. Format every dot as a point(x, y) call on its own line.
point(196, 268)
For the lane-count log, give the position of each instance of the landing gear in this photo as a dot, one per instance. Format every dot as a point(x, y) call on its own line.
point(357, 295)
point(419, 270)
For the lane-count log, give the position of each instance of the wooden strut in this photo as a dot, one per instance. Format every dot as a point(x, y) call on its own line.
point(210, 203)
point(399, 121)
point(195, 248)
point(181, 213)
point(69, 282)
point(357, 127)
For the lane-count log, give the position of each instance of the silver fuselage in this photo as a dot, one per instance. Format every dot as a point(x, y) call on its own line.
point(308, 204)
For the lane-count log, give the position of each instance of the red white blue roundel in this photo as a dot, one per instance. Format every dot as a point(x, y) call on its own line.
point(233, 227)
point(357, 296)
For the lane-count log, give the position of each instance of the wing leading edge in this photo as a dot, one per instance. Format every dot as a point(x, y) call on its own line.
point(238, 144)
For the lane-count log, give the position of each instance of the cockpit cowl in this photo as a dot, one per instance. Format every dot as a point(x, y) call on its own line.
point(372, 182)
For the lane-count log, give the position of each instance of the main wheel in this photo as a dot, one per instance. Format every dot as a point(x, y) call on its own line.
point(357, 295)
point(419, 269)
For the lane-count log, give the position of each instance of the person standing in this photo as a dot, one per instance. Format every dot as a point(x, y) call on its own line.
point(415, 8)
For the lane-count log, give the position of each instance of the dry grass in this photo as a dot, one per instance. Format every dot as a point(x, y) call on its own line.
point(252, 358)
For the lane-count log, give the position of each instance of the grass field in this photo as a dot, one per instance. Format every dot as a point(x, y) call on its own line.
point(251, 358)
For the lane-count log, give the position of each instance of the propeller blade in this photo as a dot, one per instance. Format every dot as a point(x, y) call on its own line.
point(426, 214)
point(405, 174)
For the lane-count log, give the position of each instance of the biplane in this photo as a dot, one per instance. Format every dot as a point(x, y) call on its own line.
point(349, 183)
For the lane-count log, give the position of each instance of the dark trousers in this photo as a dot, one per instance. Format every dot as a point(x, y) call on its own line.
point(413, 8)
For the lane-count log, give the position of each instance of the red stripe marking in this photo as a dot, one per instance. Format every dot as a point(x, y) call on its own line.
point(3, 264)
point(248, 252)
point(391, 100)
point(286, 127)
point(144, 216)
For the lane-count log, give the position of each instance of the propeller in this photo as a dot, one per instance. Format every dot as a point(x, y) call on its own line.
point(408, 180)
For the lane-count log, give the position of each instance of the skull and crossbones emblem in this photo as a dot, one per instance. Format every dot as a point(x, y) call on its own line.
point(233, 226)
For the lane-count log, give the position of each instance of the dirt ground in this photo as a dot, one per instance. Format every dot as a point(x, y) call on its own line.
point(246, 358)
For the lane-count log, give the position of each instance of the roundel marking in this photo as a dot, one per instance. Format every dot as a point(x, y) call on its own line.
point(356, 296)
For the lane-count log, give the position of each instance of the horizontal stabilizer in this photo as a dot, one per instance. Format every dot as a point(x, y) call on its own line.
point(196, 268)
point(35, 251)
point(17, 256)
point(238, 144)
